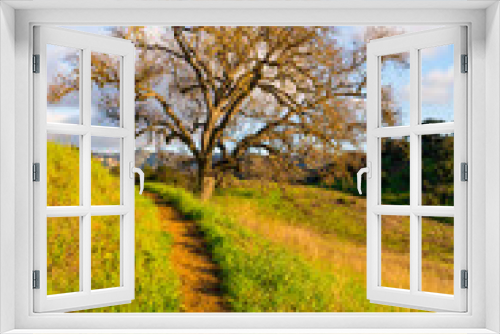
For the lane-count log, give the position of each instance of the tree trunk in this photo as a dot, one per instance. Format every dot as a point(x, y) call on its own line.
point(206, 181)
point(208, 188)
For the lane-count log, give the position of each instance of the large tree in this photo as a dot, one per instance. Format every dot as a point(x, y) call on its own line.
point(293, 96)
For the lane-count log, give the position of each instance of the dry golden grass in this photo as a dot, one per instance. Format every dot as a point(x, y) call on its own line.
point(347, 260)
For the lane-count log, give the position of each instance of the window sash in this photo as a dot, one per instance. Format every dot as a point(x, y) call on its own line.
point(413, 298)
point(86, 298)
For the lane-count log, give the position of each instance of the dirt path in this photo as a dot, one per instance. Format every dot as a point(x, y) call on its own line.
point(199, 275)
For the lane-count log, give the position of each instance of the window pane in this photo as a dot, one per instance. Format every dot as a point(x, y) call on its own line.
point(437, 169)
point(63, 84)
point(105, 183)
point(105, 252)
point(437, 84)
point(63, 170)
point(394, 94)
point(395, 267)
point(63, 255)
point(437, 254)
point(105, 89)
point(395, 171)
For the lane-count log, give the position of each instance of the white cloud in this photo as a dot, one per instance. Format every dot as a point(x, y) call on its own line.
point(63, 114)
point(57, 118)
point(437, 87)
point(432, 54)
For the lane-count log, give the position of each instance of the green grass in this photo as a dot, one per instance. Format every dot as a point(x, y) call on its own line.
point(157, 287)
point(258, 274)
point(156, 284)
point(340, 220)
point(261, 276)
point(330, 212)
point(325, 211)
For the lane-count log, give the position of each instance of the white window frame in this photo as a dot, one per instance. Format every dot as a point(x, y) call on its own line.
point(484, 308)
point(414, 296)
point(86, 297)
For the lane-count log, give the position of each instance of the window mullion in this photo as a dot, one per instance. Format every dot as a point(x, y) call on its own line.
point(86, 167)
point(414, 172)
point(85, 256)
point(83, 202)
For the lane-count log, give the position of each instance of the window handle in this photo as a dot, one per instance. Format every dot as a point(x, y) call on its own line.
point(133, 170)
point(368, 171)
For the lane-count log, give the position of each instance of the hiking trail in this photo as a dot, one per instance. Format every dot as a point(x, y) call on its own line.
point(201, 284)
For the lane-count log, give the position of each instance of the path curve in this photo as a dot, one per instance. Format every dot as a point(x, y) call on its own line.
point(192, 261)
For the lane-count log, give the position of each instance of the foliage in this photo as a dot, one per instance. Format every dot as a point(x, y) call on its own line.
point(292, 93)
point(437, 170)
point(172, 176)
point(157, 287)
point(395, 170)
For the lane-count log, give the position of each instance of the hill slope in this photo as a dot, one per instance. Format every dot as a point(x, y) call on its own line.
point(328, 228)
point(157, 287)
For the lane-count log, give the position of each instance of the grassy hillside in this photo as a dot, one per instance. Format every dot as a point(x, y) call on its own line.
point(261, 275)
point(157, 287)
point(329, 228)
point(299, 249)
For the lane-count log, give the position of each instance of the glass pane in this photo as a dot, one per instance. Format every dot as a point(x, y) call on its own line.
point(437, 84)
point(395, 267)
point(105, 252)
point(105, 183)
point(105, 89)
point(395, 171)
point(437, 169)
point(395, 83)
point(63, 170)
point(63, 255)
point(63, 84)
point(437, 254)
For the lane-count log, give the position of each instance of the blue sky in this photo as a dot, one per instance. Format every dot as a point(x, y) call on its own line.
point(436, 80)
point(437, 77)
